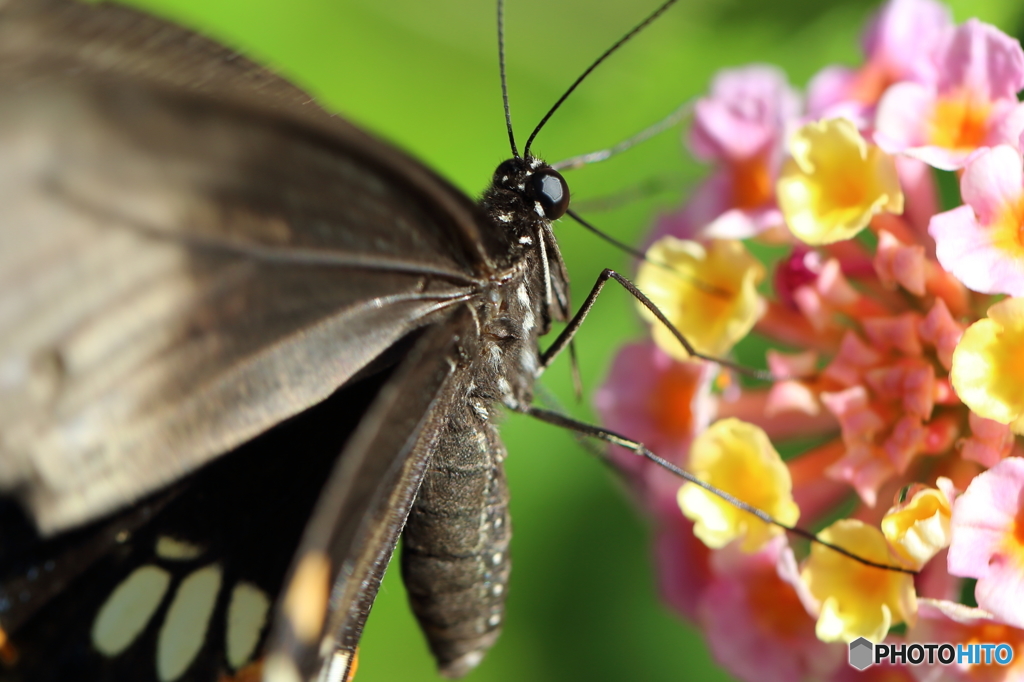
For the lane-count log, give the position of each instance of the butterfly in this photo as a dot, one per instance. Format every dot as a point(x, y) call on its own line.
point(176, 569)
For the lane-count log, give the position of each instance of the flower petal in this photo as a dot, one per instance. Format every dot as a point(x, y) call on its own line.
point(857, 600)
point(988, 541)
point(738, 458)
point(709, 293)
point(835, 182)
point(988, 371)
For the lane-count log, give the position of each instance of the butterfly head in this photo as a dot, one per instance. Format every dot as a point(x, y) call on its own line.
point(525, 195)
point(537, 183)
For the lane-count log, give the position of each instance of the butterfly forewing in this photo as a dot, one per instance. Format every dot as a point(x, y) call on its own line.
point(224, 249)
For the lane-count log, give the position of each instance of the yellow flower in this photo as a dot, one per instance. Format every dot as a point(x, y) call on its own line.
point(709, 294)
point(988, 365)
point(738, 458)
point(834, 182)
point(919, 528)
point(857, 600)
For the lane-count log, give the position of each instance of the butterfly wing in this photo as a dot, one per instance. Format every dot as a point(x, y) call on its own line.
point(190, 252)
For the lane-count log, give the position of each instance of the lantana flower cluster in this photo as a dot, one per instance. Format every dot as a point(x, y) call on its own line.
point(897, 336)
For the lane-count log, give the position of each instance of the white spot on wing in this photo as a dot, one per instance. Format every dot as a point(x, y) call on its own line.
point(526, 239)
point(176, 550)
point(247, 613)
point(497, 589)
point(494, 620)
point(128, 609)
point(280, 668)
point(184, 629)
point(305, 602)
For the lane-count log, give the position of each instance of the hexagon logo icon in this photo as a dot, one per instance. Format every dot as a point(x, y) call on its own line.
point(861, 653)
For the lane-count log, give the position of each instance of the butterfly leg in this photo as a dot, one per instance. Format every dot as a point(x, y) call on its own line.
point(583, 428)
point(565, 338)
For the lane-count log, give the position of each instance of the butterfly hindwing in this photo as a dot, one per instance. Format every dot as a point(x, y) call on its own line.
point(226, 535)
point(393, 445)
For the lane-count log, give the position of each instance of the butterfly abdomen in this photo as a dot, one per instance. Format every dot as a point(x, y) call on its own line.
point(455, 547)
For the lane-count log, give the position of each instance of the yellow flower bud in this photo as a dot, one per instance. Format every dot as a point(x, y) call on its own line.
point(919, 528)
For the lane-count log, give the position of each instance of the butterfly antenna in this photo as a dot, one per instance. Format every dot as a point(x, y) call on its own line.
point(639, 27)
point(504, 79)
point(651, 186)
point(682, 112)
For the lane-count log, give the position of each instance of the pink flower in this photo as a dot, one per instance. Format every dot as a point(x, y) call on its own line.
point(982, 243)
point(972, 104)
point(989, 441)
point(740, 127)
point(682, 560)
point(879, 381)
point(887, 383)
point(799, 269)
point(745, 115)
point(662, 403)
point(899, 42)
point(755, 622)
point(988, 539)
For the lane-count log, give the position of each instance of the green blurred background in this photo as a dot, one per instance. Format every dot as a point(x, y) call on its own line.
point(582, 602)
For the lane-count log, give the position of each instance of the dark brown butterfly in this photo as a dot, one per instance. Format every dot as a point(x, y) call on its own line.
point(193, 252)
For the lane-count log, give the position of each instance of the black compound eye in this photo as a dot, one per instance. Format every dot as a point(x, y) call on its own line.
point(548, 187)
